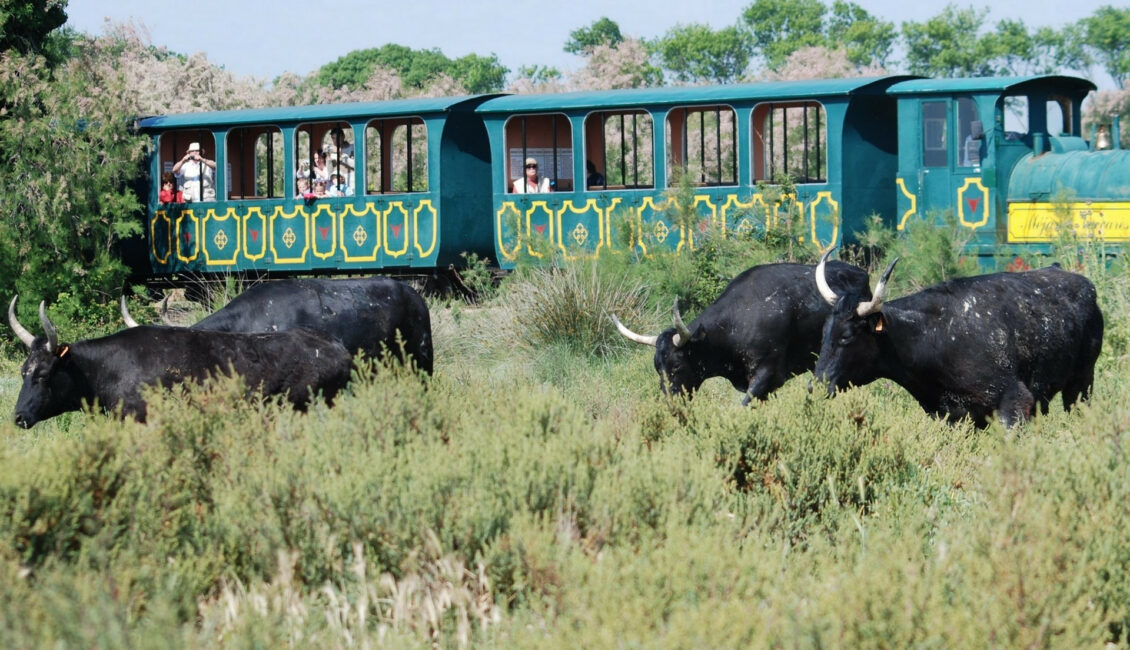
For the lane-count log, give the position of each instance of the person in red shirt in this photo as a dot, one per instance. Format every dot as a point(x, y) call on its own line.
point(169, 192)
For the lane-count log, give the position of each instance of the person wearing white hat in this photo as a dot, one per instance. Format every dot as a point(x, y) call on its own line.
point(195, 174)
point(531, 183)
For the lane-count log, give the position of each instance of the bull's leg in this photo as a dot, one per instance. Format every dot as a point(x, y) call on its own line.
point(1078, 387)
point(766, 379)
point(1016, 405)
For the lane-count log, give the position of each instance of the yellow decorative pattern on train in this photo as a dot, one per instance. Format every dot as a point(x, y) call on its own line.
point(290, 228)
point(824, 200)
point(363, 227)
point(187, 233)
point(425, 209)
point(974, 196)
point(901, 184)
point(254, 237)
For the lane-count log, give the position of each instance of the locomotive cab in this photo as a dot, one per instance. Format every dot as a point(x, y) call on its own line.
point(964, 143)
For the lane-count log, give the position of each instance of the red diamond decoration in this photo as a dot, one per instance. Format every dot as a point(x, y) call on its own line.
point(540, 229)
point(973, 203)
point(255, 235)
point(187, 237)
point(325, 231)
point(396, 230)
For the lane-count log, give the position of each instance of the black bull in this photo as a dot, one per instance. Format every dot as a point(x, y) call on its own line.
point(375, 315)
point(1003, 342)
point(112, 370)
point(764, 328)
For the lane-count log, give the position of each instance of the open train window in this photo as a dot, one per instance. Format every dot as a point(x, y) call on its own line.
point(548, 140)
point(790, 140)
point(1059, 115)
point(324, 155)
point(194, 176)
point(702, 141)
point(619, 145)
point(255, 163)
point(396, 156)
point(1015, 117)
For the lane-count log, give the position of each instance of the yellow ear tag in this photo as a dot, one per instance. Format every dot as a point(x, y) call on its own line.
point(63, 352)
point(879, 323)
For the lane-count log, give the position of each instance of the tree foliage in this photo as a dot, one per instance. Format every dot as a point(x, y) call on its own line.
point(29, 27)
point(696, 52)
point(949, 44)
point(68, 162)
point(417, 69)
point(1107, 34)
point(625, 65)
point(603, 31)
point(778, 28)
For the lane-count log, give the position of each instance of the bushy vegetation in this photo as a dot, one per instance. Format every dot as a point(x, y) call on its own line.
point(539, 492)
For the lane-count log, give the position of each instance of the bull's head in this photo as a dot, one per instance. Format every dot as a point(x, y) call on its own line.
point(675, 361)
point(48, 388)
point(849, 349)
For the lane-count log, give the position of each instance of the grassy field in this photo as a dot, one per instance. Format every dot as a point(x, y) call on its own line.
point(540, 493)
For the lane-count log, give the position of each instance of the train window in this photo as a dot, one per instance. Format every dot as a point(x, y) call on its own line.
point(255, 163)
point(548, 139)
point(190, 156)
point(1015, 109)
point(790, 140)
point(702, 141)
point(970, 132)
point(620, 147)
point(328, 164)
point(1059, 115)
point(934, 118)
point(396, 156)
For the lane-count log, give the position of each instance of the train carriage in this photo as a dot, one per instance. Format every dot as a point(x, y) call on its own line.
point(389, 211)
point(635, 171)
point(832, 138)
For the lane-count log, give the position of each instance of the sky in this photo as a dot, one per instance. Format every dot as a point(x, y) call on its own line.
point(263, 39)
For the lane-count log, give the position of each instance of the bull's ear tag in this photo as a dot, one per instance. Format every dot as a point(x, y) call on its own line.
point(63, 351)
point(880, 324)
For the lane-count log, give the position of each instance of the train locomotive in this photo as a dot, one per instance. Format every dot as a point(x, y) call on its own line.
point(416, 186)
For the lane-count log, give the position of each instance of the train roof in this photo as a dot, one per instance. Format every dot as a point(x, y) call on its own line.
point(987, 84)
point(316, 112)
point(635, 97)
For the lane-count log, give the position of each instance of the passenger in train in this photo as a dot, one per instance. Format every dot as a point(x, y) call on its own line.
point(319, 188)
point(338, 186)
point(594, 177)
point(169, 192)
point(320, 170)
point(303, 188)
point(531, 183)
point(196, 175)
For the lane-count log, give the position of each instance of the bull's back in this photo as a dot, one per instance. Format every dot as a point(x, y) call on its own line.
point(1038, 326)
point(119, 365)
point(368, 315)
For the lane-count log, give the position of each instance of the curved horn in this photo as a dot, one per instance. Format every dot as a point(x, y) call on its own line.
point(48, 327)
point(682, 334)
point(130, 322)
point(21, 332)
point(632, 336)
point(876, 303)
point(165, 310)
point(822, 282)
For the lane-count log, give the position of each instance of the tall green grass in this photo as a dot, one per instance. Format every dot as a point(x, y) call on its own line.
point(540, 492)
